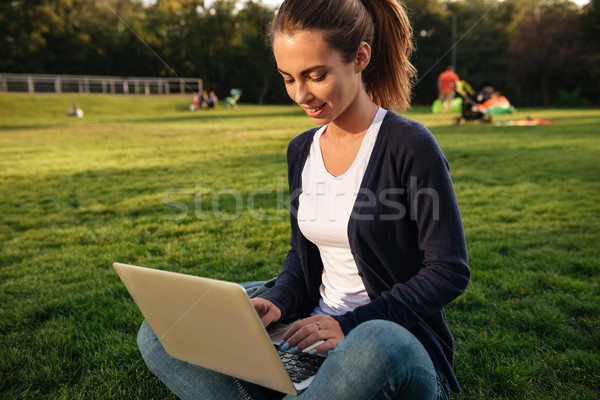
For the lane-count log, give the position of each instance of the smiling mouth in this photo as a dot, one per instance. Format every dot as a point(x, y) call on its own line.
point(314, 110)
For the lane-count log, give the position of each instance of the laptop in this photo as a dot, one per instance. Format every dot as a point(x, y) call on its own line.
point(213, 324)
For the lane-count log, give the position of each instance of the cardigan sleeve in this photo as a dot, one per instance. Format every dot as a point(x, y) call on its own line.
point(414, 264)
point(296, 289)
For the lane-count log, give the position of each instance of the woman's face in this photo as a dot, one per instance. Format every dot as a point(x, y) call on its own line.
point(316, 77)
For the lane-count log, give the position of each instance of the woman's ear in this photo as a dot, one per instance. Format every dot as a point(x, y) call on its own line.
point(363, 56)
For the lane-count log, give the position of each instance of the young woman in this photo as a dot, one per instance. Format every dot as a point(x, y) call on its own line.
point(377, 246)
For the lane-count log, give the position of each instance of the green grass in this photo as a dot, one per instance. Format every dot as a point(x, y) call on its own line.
point(78, 194)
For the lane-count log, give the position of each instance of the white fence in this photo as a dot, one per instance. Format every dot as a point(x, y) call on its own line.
point(36, 83)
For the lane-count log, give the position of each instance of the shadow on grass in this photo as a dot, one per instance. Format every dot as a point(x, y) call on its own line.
point(208, 116)
point(97, 196)
point(182, 115)
point(30, 127)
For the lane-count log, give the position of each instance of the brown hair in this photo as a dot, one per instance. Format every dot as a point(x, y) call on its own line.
point(383, 24)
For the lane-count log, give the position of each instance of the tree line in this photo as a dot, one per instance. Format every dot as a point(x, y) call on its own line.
point(536, 52)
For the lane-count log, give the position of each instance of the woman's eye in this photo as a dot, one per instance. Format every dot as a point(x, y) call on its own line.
point(319, 78)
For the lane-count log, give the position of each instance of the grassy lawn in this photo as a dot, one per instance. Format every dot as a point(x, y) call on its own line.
point(144, 181)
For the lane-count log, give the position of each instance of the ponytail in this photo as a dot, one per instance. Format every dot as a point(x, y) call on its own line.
point(390, 78)
point(383, 24)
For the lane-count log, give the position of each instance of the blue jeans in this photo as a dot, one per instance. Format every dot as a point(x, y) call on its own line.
point(376, 360)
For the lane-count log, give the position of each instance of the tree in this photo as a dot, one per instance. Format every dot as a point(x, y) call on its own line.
point(482, 46)
point(528, 49)
point(259, 64)
point(481, 27)
point(546, 50)
point(591, 33)
point(431, 36)
point(70, 36)
point(24, 26)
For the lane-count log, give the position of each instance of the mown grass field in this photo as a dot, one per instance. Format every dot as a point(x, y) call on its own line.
point(144, 181)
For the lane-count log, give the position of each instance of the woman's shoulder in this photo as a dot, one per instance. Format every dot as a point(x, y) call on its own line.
point(407, 133)
point(302, 140)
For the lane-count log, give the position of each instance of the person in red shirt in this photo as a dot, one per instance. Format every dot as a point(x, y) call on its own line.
point(446, 83)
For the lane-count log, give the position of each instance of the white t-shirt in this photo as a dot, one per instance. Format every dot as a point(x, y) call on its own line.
point(324, 210)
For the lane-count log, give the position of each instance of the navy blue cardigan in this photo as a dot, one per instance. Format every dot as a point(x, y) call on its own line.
point(405, 234)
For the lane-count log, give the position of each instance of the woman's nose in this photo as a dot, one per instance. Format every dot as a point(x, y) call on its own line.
point(302, 95)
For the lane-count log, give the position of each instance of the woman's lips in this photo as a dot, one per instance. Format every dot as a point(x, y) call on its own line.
point(316, 111)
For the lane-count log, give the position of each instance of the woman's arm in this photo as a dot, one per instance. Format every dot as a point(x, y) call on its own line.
point(296, 290)
point(412, 263)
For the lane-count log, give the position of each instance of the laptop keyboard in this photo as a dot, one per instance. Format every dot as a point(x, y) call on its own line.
point(300, 366)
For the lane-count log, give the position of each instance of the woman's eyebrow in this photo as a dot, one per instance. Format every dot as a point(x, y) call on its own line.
point(305, 72)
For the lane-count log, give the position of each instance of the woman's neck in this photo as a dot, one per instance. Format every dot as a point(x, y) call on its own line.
point(341, 141)
point(354, 121)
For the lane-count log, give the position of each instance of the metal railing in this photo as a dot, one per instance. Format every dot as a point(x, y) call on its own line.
point(38, 83)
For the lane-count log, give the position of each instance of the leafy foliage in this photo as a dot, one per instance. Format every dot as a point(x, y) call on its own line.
point(547, 47)
point(534, 51)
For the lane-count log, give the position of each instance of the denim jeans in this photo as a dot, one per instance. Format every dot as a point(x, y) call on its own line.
point(377, 360)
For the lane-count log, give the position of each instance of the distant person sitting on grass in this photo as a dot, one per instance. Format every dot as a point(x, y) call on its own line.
point(208, 100)
point(204, 99)
point(75, 111)
point(195, 103)
point(212, 100)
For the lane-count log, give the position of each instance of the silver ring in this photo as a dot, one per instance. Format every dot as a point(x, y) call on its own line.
point(318, 324)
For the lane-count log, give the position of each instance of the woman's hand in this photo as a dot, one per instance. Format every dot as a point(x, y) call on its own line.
point(309, 331)
point(266, 310)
